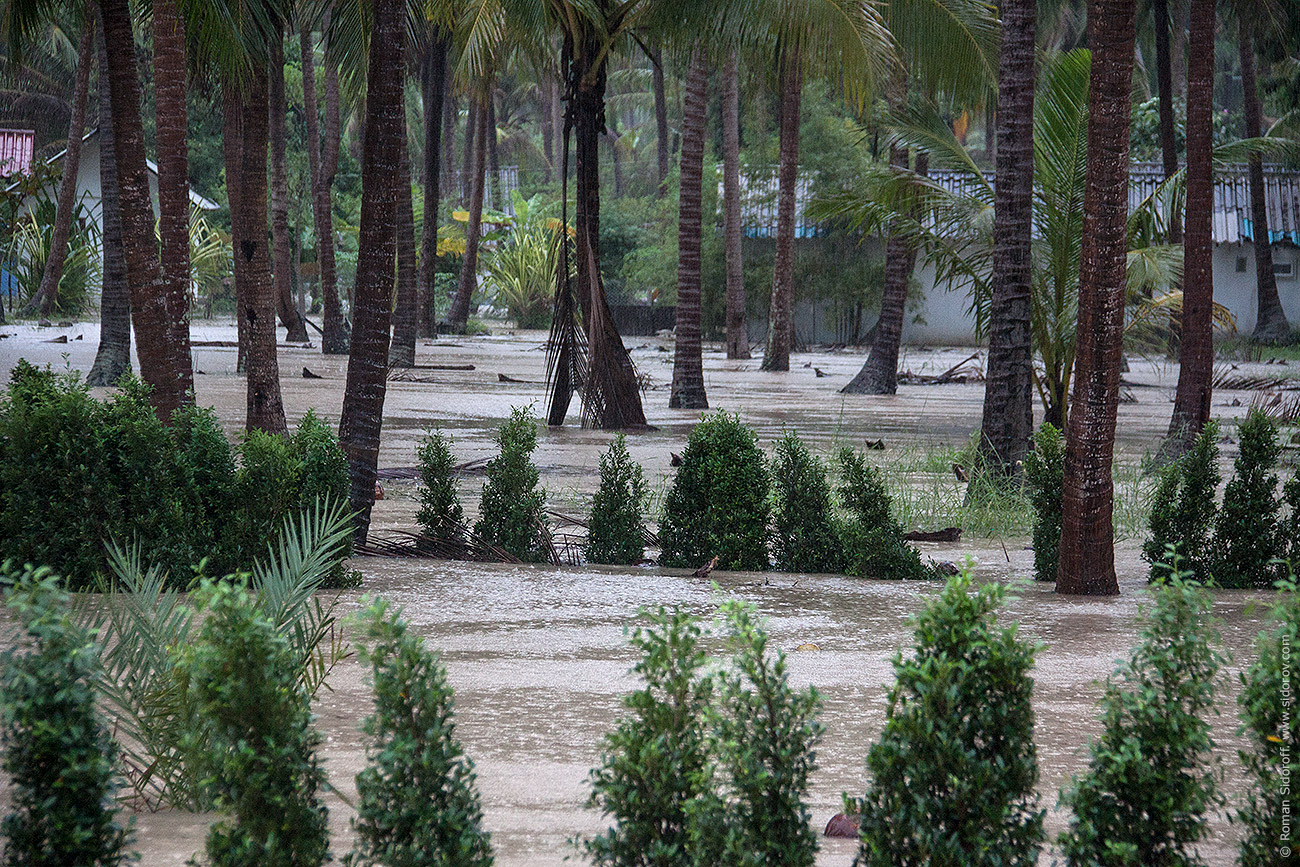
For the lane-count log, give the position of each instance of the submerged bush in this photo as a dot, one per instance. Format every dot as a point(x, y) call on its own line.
point(616, 528)
point(58, 754)
point(1147, 789)
point(804, 537)
point(1183, 508)
point(419, 804)
point(1045, 479)
point(718, 503)
point(440, 516)
point(955, 770)
point(872, 540)
point(1248, 544)
point(512, 512)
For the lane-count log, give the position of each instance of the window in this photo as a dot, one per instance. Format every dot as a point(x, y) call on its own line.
point(1284, 270)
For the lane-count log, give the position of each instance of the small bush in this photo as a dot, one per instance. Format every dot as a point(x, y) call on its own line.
point(419, 804)
point(58, 755)
point(208, 465)
point(954, 772)
point(252, 736)
point(870, 537)
point(804, 539)
point(1045, 479)
point(323, 472)
point(1248, 543)
point(267, 488)
point(1272, 726)
point(656, 770)
point(511, 515)
point(441, 516)
point(718, 504)
point(1144, 797)
point(616, 528)
point(1183, 508)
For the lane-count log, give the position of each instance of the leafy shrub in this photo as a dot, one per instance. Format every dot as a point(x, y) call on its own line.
point(656, 765)
point(1272, 727)
point(718, 503)
point(419, 805)
point(267, 489)
point(871, 538)
point(616, 528)
point(1248, 543)
point(511, 515)
point(323, 472)
point(58, 755)
point(207, 464)
point(252, 736)
point(440, 516)
point(1045, 478)
point(954, 772)
point(804, 539)
point(1144, 797)
point(1183, 508)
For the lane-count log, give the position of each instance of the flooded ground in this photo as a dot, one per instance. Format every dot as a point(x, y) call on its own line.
point(537, 655)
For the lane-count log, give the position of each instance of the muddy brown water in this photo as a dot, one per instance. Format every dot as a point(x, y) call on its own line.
point(538, 655)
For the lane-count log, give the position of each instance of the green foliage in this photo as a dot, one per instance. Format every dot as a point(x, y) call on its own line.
point(512, 512)
point(29, 252)
point(323, 473)
point(440, 515)
point(718, 504)
point(251, 736)
point(954, 772)
point(419, 805)
point(1144, 797)
point(1182, 510)
point(1248, 546)
point(1291, 493)
point(804, 538)
point(616, 528)
point(1272, 727)
point(871, 538)
point(1045, 477)
point(521, 271)
point(656, 768)
point(58, 755)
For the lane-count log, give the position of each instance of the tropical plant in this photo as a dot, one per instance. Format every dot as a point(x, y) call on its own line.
point(1044, 475)
point(1183, 509)
point(512, 511)
point(440, 515)
point(616, 528)
point(1248, 548)
point(870, 536)
point(58, 754)
point(29, 253)
point(953, 776)
point(803, 533)
point(521, 270)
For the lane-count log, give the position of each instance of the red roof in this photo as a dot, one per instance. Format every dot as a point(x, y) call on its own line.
point(16, 148)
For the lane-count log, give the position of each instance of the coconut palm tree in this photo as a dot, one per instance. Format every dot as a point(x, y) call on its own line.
point(688, 370)
point(432, 51)
point(1087, 552)
point(402, 351)
point(281, 244)
point(737, 328)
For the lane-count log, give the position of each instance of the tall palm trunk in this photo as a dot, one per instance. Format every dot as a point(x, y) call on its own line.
point(780, 325)
point(472, 124)
point(160, 318)
point(879, 374)
point(170, 77)
point(1087, 551)
point(688, 365)
point(494, 160)
point(1196, 347)
point(458, 315)
point(434, 81)
point(48, 293)
point(1165, 89)
point(402, 351)
point(232, 149)
point(1009, 390)
point(281, 244)
point(450, 112)
point(333, 337)
point(113, 357)
point(363, 399)
point(737, 328)
point(1271, 324)
point(661, 120)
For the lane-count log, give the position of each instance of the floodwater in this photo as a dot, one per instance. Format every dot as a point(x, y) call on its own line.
point(538, 655)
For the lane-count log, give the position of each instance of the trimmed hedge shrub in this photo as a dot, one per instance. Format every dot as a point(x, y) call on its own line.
point(616, 528)
point(718, 504)
point(1045, 479)
point(871, 538)
point(1183, 508)
point(1248, 543)
point(512, 513)
point(955, 770)
point(440, 516)
point(804, 537)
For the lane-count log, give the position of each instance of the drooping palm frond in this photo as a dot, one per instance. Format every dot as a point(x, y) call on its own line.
point(951, 46)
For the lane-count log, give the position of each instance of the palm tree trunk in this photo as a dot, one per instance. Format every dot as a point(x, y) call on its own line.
point(1271, 325)
point(494, 161)
point(363, 399)
point(450, 112)
point(402, 351)
point(661, 120)
point(688, 364)
point(737, 328)
point(281, 246)
point(1196, 347)
point(113, 357)
point(434, 80)
point(1087, 552)
point(780, 326)
point(557, 127)
point(879, 374)
point(48, 293)
point(458, 315)
point(232, 145)
point(471, 132)
point(248, 221)
point(1008, 421)
point(1164, 86)
point(160, 318)
point(333, 337)
point(1178, 49)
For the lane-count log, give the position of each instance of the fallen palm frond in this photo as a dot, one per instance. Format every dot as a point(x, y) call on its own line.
point(1278, 407)
point(1227, 379)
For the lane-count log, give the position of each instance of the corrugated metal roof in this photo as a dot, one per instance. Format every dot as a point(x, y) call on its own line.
point(16, 149)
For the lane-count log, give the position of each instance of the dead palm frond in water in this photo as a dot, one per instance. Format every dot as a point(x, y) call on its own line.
point(1278, 407)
